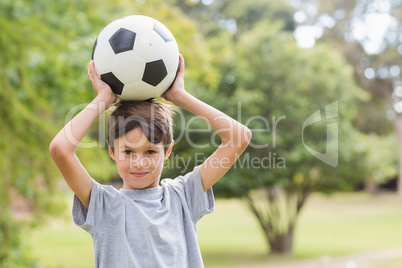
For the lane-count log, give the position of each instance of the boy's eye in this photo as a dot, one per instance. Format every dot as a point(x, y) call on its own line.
point(151, 152)
point(127, 152)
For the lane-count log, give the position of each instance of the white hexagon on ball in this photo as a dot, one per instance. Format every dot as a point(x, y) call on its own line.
point(137, 56)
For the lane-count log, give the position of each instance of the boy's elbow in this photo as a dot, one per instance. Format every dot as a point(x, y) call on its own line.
point(56, 150)
point(246, 137)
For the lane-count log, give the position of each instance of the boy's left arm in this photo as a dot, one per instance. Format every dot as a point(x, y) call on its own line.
point(235, 137)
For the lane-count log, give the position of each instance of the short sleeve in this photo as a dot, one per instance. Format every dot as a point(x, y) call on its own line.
point(102, 198)
point(199, 202)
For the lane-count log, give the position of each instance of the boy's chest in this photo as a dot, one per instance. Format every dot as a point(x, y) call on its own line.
point(155, 221)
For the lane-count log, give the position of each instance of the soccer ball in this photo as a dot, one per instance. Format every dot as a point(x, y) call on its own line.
point(137, 56)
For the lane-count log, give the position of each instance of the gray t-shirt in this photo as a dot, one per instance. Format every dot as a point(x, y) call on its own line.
point(148, 228)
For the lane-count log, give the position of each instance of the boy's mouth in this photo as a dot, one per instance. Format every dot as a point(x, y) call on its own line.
point(139, 174)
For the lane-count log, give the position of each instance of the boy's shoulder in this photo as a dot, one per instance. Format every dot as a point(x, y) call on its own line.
point(180, 179)
point(105, 193)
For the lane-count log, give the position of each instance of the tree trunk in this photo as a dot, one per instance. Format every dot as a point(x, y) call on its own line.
point(276, 211)
point(371, 186)
point(282, 244)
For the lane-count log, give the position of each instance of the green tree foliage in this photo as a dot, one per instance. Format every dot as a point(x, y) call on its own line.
point(24, 162)
point(45, 47)
point(278, 87)
point(368, 35)
point(248, 13)
point(381, 159)
point(272, 86)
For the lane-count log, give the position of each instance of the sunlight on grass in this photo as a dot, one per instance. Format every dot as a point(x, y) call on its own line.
point(230, 235)
point(61, 244)
point(328, 226)
point(348, 223)
point(391, 263)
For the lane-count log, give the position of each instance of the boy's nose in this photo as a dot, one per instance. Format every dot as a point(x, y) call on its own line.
point(137, 161)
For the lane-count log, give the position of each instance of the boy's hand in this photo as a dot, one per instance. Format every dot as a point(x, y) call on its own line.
point(101, 88)
point(174, 93)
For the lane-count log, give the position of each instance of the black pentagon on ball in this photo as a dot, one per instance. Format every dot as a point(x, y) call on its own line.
point(122, 40)
point(115, 84)
point(154, 72)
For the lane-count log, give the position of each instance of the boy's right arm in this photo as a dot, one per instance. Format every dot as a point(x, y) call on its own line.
point(63, 146)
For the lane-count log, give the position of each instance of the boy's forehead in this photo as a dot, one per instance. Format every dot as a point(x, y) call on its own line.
point(133, 136)
point(136, 139)
point(136, 146)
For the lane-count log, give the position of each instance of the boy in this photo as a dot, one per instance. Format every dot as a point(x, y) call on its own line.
point(144, 224)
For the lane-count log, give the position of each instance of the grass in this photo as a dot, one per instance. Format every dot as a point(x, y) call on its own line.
point(348, 223)
point(61, 244)
point(391, 263)
point(328, 226)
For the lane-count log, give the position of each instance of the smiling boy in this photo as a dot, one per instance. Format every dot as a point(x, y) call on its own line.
point(145, 224)
point(140, 140)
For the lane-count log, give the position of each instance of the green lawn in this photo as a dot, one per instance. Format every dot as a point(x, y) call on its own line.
point(329, 226)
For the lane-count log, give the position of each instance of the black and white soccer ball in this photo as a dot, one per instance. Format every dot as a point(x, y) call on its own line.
point(137, 56)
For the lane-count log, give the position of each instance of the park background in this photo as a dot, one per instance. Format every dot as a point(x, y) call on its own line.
point(271, 64)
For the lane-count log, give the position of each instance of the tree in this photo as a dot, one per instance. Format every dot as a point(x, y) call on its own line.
point(368, 35)
point(24, 115)
point(36, 79)
point(273, 87)
point(280, 88)
point(217, 29)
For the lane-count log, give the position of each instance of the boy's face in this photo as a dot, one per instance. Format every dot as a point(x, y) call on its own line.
point(138, 161)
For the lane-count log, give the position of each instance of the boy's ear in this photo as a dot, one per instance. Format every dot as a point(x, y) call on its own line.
point(111, 153)
point(169, 150)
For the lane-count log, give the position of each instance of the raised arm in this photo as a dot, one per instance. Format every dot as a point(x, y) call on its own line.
point(235, 137)
point(63, 146)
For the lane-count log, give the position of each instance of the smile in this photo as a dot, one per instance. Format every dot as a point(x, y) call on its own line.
point(138, 174)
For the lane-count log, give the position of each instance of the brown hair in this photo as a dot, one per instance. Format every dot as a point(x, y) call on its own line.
point(154, 118)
